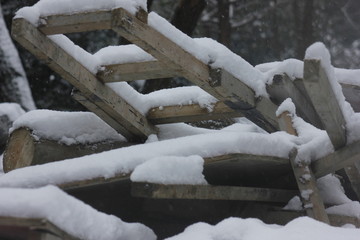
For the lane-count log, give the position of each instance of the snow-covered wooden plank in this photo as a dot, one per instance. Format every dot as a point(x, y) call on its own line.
point(31, 228)
point(335, 161)
point(210, 192)
point(217, 82)
point(68, 23)
point(283, 87)
point(319, 89)
point(309, 192)
point(135, 125)
point(24, 149)
point(190, 113)
point(136, 71)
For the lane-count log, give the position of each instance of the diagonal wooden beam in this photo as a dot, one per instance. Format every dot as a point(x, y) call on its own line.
point(217, 82)
point(210, 192)
point(134, 124)
point(136, 71)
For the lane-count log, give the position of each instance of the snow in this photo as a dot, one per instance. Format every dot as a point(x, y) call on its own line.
point(286, 106)
point(67, 127)
point(351, 209)
point(12, 110)
point(1, 164)
point(301, 228)
point(331, 190)
point(69, 214)
point(52, 7)
point(294, 204)
point(171, 170)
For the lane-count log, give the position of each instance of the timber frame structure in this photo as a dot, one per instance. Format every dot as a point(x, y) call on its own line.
point(313, 97)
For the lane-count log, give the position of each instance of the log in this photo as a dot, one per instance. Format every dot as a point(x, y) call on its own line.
point(134, 125)
point(31, 228)
point(24, 149)
point(210, 192)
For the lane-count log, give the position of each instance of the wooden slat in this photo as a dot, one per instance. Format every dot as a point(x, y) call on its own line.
point(324, 100)
point(218, 83)
point(190, 113)
point(209, 192)
point(69, 23)
point(335, 161)
point(285, 123)
point(283, 88)
point(22, 228)
point(309, 192)
point(136, 71)
point(135, 125)
point(352, 95)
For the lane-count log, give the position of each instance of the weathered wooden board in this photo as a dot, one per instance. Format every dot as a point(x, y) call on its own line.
point(218, 83)
point(324, 100)
point(282, 88)
point(136, 71)
point(24, 149)
point(30, 228)
point(210, 192)
point(352, 95)
point(135, 125)
point(310, 196)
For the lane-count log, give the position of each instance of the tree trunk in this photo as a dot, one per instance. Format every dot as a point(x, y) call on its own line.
point(14, 86)
point(224, 22)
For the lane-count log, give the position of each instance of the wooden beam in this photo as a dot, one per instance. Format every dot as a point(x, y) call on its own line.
point(309, 193)
point(324, 100)
point(134, 125)
point(24, 149)
point(38, 229)
point(335, 161)
point(352, 95)
point(69, 23)
point(136, 71)
point(285, 123)
point(190, 113)
point(216, 82)
point(283, 88)
point(209, 192)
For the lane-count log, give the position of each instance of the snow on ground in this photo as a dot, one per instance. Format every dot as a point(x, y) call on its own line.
point(302, 228)
point(67, 127)
point(69, 214)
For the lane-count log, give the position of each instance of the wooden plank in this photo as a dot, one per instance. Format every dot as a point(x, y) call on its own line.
point(216, 82)
point(285, 123)
point(22, 228)
point(335, 161)
point(352, 95)
point(24, 149)
point(319, 89)
point(69, 23)
point(135, 125)
point(98, 181)
point(209, 192)
point(353, 173)
point(190, 113)
point(136, 71)
point(309, 192)
point(283, 88)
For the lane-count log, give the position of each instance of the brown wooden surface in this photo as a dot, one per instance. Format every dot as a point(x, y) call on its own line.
point(134, 124)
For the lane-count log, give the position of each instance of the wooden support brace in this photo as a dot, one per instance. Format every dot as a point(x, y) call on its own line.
point(135, 125)
point(309, 192)
point(216, 82)
point(209, 192)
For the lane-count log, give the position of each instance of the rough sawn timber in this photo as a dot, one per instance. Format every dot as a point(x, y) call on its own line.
point(133, 124)
point(210, 192)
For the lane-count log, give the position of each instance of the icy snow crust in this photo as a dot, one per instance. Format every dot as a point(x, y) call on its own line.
point(253, 229)
point(69, 214)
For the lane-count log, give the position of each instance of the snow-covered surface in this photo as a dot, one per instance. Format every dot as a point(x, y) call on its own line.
point(351, 209)
point(253, 229)
point(1, 164)
point(12, 110)
point(67, 127)
point(171, 170)
point(52, 7)
point(331, 190)
point(69, 214)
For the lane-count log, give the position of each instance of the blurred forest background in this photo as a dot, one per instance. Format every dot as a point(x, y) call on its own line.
point(258, 30)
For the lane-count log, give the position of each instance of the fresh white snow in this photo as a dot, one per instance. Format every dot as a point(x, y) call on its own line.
point(12, 110)
point(69, 214)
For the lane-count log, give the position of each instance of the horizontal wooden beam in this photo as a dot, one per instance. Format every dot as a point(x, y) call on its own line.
point(136, 71)
point(217, 82)
point(134, 124)
point(341, 158)
point(69, 23)
point(209, 192)
point(24, 149)
point(190, 113)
